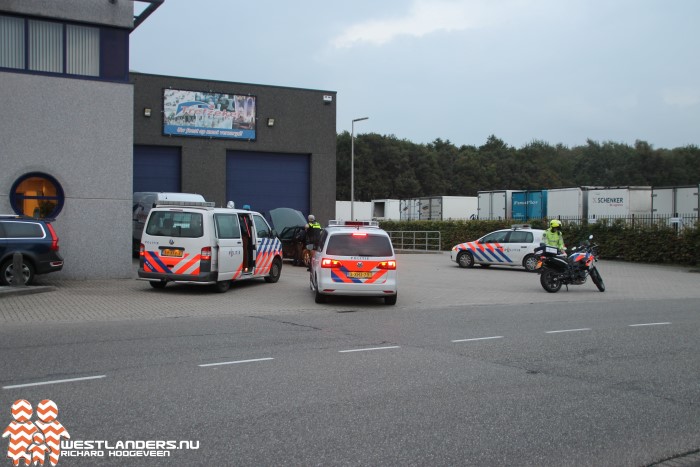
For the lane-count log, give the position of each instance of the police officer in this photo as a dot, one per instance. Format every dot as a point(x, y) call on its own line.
point(553, 236)
point(313, 235)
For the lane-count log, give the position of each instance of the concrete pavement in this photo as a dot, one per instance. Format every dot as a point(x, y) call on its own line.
point(425, 281)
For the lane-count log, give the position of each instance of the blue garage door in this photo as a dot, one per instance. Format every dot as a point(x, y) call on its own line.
point(267, 181)
point(156, 168)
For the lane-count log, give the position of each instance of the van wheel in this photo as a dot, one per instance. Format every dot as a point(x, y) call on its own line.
point(222, 286)
point(158, 284)
point(391, 299)
point(275, 271)
point(319, 298)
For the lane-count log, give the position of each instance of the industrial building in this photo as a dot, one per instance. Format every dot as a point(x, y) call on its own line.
point(80, 133)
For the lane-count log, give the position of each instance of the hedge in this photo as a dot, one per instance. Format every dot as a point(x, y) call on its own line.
point(616, 239)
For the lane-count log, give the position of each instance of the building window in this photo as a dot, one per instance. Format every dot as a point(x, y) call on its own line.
point(55, 47)
point(45, 46)
point(82, 50)
point(11, 42)
point(37, 195)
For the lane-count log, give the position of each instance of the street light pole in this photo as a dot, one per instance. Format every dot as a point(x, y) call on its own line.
point(352, 167)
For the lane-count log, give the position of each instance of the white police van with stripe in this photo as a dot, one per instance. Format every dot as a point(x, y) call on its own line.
point(198, 243)
point(506, 247)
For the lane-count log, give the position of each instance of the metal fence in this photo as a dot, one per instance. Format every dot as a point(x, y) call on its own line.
point(679, 221)
point(416, 240)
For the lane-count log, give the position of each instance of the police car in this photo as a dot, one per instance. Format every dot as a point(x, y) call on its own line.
point(197, 243)
point(506, 247)
point(354, 258)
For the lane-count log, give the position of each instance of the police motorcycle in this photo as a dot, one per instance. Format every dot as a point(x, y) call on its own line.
point(556, 270)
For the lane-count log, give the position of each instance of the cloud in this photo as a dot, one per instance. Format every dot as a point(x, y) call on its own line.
point(681, 97)
point(424, 17)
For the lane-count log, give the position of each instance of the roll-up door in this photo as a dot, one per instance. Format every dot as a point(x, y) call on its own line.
point(157, 168)
point(268, 180)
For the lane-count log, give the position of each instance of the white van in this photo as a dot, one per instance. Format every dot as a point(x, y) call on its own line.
point(199, 244)
point(144, 201)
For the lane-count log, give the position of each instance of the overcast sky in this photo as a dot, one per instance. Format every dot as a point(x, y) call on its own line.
point(559, 71)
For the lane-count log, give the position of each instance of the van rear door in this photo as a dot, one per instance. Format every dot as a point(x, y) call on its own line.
point(230, 246)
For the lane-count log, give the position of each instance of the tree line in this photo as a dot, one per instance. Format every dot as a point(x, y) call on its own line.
point(390, 168)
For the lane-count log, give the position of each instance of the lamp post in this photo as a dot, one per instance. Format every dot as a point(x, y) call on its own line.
point(352, 167)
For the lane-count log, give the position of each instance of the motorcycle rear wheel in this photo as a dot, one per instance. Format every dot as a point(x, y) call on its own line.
point(597, 280)
point(550, 281)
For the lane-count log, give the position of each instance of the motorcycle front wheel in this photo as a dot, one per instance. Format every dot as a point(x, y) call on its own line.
point(597, 280)
point(550, 281)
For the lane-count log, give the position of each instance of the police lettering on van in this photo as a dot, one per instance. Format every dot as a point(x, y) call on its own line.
point(197, 243)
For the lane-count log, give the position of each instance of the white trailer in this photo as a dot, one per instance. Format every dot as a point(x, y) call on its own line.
point(409, 209)
point(618, 202)
point(567, 204)
point(677, 201)
point(386, 209)
point(497, 204)
point(363, 210)
point(438, 208)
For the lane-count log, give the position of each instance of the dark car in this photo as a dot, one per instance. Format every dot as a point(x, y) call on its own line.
point(35, 239)
point(289, 224)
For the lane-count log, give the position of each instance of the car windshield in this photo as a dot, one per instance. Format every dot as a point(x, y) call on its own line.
point(354, 244)
point(175, 224)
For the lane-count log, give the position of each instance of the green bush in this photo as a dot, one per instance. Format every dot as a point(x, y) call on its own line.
point(616, 239)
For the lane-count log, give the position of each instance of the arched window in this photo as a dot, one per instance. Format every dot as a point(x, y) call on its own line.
point(38, 195)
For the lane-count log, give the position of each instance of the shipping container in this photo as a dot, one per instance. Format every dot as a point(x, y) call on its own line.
point(495, 204)
point(529, 205)
point(362, 210)
point(618, 202)
point(386, 209)
point(567, 204)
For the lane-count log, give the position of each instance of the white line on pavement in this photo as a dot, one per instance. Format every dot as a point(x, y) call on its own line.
point(478, 339)
point(568, 330)
point(372, 348)
point(648, 324)
point(56, 381)
point(237, 361)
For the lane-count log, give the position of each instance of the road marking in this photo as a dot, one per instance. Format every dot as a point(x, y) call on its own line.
point(372, 348)
point(478, 339)
point(568, 330)
point(648, 324)
point(237, 361)
point(56, 381)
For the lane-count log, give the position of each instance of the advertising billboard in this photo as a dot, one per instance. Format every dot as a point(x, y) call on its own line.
point(208, 114)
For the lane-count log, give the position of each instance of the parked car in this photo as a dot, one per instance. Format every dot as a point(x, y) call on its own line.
point(35, 239)
point(505, 247)
point(289, 224)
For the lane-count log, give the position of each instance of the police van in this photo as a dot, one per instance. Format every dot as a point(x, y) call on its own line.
point(197, 243)
point(354, 258)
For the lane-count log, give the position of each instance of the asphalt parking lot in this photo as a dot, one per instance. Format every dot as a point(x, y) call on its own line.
point(425, 281)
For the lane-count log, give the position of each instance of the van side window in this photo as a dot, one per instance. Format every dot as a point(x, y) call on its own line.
point(227, 226)
point(261, 227)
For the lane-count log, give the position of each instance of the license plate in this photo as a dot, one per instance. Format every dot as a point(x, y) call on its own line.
point(176, 252)
point(360, 274)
